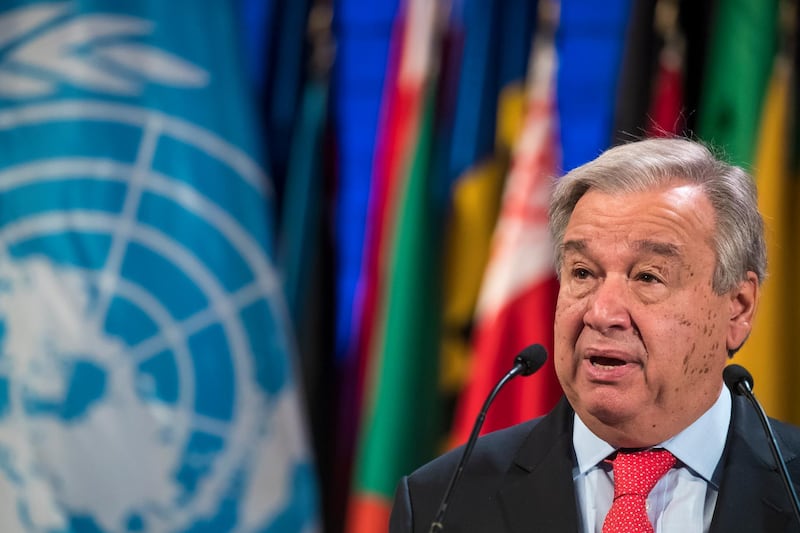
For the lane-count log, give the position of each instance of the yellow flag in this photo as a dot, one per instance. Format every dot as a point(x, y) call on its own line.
point(476, 204)
point(766, 354)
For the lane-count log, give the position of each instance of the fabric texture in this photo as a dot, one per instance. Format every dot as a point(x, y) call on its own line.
point(635, 475)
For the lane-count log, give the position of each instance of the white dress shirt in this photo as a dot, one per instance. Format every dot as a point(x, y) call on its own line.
point(683, 500)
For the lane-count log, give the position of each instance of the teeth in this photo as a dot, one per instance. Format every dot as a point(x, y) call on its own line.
point(605, 367)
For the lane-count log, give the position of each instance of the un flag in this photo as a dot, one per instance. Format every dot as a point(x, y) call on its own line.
point(145, 366)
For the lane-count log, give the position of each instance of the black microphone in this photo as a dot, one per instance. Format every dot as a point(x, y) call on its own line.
point(526, 363)
point(740, 382)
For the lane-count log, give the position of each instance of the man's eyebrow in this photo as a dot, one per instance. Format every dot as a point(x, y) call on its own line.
point(657, 247)
point(577, 245)
point(665, 249)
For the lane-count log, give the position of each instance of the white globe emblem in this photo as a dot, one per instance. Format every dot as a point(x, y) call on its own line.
point(135, 382)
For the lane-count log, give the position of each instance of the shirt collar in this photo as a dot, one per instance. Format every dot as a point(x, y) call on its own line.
point(699, 446)
point(589, 448)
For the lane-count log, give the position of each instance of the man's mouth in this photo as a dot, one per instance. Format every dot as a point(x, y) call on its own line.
point(606, 363)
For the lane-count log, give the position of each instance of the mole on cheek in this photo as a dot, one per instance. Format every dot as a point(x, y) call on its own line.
point(686, 359)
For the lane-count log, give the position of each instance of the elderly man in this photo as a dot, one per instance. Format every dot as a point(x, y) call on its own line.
point(660, 254)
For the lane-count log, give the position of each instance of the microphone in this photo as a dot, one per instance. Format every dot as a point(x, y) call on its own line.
point(526, 363)
point(740, 382)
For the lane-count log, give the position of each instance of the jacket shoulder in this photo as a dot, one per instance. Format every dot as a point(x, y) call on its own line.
point(788, 436)
point(418, 495)
point(493, 452)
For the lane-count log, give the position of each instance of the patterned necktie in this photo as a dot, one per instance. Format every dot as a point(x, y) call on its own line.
point(635, 475)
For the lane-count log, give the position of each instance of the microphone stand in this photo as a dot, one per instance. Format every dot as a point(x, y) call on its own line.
point(744, 388)
point(528, 361)
point(438, 522)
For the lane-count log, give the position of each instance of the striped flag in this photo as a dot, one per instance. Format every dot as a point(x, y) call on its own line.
point(490, 99)
point(146, 370)
point(517, 299)
point(363, 38)
point(398, 416)
point(475, 205)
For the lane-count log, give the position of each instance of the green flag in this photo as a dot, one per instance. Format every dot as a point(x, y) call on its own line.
point(402, 418)
point(743, 45)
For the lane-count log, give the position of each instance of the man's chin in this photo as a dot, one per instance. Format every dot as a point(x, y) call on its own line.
point(608, 416)
point(608, 409)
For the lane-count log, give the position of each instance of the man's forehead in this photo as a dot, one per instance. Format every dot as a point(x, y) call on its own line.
point(674, 213)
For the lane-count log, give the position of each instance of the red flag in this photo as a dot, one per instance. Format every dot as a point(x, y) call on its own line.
point(666, 108)
point(516, 306)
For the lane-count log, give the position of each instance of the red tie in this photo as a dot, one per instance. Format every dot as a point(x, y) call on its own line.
point(635, 475)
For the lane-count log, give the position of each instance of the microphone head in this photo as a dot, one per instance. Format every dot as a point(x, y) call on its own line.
point(734, 375)
point(531, 359)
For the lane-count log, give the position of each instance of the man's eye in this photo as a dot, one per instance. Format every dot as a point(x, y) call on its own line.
point(581, 273)
point(647, 278)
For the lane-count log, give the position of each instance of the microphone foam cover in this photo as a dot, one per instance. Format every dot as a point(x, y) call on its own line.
point(735, 374)
point(531, 358)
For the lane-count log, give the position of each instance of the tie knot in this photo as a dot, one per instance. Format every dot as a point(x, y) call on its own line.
point(638, 472)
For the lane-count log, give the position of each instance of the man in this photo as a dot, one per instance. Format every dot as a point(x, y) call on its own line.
point(660, 254)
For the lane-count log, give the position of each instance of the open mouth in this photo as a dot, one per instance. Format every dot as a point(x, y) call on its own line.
point(606, 362)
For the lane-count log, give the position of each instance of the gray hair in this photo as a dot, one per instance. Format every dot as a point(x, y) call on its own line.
point(645, 165)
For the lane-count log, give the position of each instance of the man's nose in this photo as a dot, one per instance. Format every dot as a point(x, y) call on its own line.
point(608, 305)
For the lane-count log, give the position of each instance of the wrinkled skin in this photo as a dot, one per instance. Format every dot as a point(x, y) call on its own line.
point(641, 338)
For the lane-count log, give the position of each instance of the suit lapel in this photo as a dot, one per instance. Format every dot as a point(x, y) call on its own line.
point(751, 495)
point(538, 493)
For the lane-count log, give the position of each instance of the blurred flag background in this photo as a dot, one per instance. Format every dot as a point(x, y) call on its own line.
point(260, 259)
point(148, 371)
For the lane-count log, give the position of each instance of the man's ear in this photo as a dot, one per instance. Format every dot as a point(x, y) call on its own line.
point(743, 303)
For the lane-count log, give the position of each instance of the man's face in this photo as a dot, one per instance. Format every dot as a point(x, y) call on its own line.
point(641, 338)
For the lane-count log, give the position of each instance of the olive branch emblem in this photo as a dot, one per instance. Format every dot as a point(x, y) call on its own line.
point(43, 46)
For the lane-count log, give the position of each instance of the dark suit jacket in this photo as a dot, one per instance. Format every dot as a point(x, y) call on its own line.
point(520, 480)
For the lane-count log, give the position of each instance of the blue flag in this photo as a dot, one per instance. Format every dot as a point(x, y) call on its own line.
point(146, 370)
